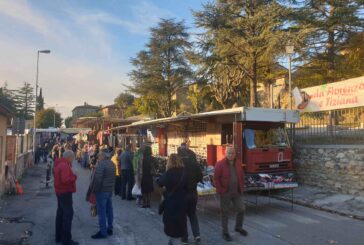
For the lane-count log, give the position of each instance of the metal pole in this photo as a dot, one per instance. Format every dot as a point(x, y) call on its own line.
point(290, 81)
point(271, 96)
point(35, 109)
point(54, 118)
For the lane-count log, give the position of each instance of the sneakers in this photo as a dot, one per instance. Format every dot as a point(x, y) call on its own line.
point(184, 241)
point(98, 235)
point(197, 240)
point(241, 231)
point(227, 237)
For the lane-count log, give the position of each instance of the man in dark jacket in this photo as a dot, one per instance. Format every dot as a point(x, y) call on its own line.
point(194, 175)
point(64, 185)
point(127, 173)
point(104, 181)
point(229, 183)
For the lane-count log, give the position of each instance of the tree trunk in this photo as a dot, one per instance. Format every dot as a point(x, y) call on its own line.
point(330, 45)
point(331, 57)
point(253, 86)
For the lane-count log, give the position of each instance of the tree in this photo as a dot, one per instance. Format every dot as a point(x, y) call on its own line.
point(332, 24)
point(7, 97)
point(24, 101)
point(40, 101)
point(124, 100)
point(68, 122)
point(242, 39)
point(161, 69)
point(48, 118)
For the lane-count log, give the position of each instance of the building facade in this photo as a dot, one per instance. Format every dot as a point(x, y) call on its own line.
point(112, 111)
point(5, 117)
point(84, 110)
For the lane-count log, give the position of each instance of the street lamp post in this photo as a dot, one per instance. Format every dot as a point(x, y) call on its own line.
point(36, 95)
point(290, 51)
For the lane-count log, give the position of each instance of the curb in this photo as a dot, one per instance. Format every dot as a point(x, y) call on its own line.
point(301, 203)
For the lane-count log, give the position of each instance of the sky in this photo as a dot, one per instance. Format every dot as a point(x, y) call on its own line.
point(91, 43)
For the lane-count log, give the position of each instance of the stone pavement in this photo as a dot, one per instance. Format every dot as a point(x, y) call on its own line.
point(318, 198)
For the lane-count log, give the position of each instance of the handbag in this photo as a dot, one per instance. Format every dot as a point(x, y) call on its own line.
point(162, 204)
point(93, 210)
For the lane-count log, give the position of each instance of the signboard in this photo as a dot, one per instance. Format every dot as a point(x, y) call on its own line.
point(10, 148)
point(333, 96)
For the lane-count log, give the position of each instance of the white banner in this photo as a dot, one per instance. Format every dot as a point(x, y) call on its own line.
point(332, 96)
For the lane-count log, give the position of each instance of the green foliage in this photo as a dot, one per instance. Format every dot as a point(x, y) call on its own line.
point(7, 97)
point(24, 101)
point(48, 118)
point(40, 101)
point(161, 69)
point(333, 25)
point(68, 121)
point(124, 100)
point(242, 40)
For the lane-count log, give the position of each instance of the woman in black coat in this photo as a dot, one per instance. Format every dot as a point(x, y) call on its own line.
point(174, 213)
point(147, 177)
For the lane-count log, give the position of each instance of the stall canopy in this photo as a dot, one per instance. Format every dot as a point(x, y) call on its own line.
point(238, 114)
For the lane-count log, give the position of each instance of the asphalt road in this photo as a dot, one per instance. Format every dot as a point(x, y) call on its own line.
point(272, 223)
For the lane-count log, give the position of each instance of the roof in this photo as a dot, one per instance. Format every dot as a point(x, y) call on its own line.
point(242, 113)
point(86, 106)
point(74, 130)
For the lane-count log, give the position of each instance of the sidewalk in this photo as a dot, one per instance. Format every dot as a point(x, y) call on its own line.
point(16, 212)
point(329, 201)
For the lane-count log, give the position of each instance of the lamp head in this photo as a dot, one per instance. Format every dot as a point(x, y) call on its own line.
point(47, 51)
point(289, 48)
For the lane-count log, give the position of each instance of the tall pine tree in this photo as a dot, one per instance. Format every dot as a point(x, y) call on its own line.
point(332, 24)
point(40, 101)
point(24, 99)
point(242, 40)
point(161, 69)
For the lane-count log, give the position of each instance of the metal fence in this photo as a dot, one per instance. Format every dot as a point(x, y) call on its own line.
point(344, 126)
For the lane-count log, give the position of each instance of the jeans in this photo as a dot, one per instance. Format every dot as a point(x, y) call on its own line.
point(191, 203)
point(238, 202)
point(127, 179)
point(104, 211)
point(64, 218)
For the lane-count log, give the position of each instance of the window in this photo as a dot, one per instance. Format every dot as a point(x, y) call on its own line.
point(261, 138)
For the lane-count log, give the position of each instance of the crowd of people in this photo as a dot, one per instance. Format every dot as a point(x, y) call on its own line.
point(131, 176)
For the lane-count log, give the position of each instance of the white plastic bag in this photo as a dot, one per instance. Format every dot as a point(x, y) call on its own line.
point(136, 191)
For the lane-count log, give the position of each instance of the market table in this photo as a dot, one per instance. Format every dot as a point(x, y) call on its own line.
point(275, 186)
point(207, 190)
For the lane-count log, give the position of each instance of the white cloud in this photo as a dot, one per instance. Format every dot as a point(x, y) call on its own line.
point(82, 65)
point(145, 15)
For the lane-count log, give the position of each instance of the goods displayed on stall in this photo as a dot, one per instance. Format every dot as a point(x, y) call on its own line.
point(206, 187)
point(270, 181)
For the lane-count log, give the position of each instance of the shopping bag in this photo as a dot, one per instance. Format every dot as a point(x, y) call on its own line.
point(136, 191)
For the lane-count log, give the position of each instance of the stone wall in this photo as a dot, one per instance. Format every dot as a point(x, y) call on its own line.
point(335, 167)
